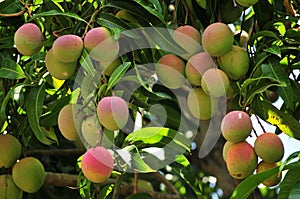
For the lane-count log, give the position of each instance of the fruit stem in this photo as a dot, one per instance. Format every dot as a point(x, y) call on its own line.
point(136, 179)
point(260, 124)
point(117, 188)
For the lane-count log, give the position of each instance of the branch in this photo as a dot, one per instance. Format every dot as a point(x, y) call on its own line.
point(289, 8)
point(70, 180)
point(169, 185)
point(55, 152)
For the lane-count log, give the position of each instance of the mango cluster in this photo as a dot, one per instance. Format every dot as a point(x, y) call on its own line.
point(112, 114)
point(27, 174)
point(241, 158)
point(209, 70)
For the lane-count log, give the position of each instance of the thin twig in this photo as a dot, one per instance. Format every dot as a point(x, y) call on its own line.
point(117, 187)
point(136, 180)
point(259, 122)
point(13, 14)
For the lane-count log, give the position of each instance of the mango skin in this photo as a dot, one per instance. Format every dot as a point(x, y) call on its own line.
point(170, 71)
point(112, 112)
point(29, 174)
point(91, 130)
point(101, 45)
point(189, 39)
point(235, 63)
point(241, 160)
point(196, 66)
point(273, 180)
point(269, 147)
point(59, 70)
point(201, 105)
point(215, 82)
point(67, 48)
point(236, 126)
point(217, 39)
point(97, 164)
point(28, 39)
point(107, 68)
point(66, 123)
point(226, 146)
point(10, 150)
point(9, 189)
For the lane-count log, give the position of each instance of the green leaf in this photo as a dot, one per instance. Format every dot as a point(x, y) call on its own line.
point(254, 86)
point(289, 181)
point(57, 13)
point(11, 70)
point(110, 21)
point(295, 193)
point(274, 50)
point(245, 188)
point(86, 63)
point(105, 191)
point(136, 162)
point(264, 33)
point(274, 70)
point(117, 75)
point(283, 120)
point(34, 104)
point(140, 196)
point(10, 6)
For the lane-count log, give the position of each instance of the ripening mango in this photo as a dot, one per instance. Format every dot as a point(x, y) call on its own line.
point(59, 70)
point(97, 164)
point(66, 123)
point(29, 174)
point(112, 112)
point(67, 48)
point(196, 66)
point(273, 180)
point(217, 39)
point(8, 189)
point(10, 150)
point(269, 147)
point(101, 45)
point(241, 160)
point(170, 71)
point(236, 126)
point(28, 39)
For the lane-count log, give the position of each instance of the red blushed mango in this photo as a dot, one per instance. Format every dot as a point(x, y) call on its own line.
point(112, 112)
point(101, 45)
point(10, 150)
point(196, 66)
point(226, 146)
point(170, 71)
point(215, 82)
point(273, 180)
point(97, 164)
point(189, 39)
point(241, 160)
point(66, 123)
point(28, 39)
point(236, 126)
point(59, 70)
point(217, 39)
point(67, 48)
point(269, 147)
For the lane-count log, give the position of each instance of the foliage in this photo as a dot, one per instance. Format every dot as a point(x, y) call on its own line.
point(31, 99)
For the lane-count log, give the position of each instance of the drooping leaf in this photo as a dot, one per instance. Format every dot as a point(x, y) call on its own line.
point(295, 192)
point(284, 121)
point(11, 70)
point(245, 188)
point(274, 70)
point(288, 183)
point(34, 105)
point(117, 75)
point(57, 13)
